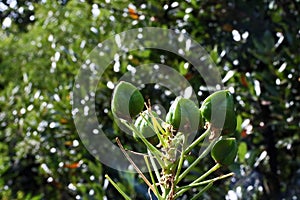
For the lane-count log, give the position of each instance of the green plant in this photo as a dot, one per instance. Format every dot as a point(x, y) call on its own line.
point(263, 69)
point(169, 155)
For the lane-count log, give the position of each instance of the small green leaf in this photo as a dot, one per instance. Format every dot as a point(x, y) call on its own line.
point(242, 151)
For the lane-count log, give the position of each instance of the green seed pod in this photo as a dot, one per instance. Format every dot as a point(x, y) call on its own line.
point(143, 123)
point(184, 115)
point(127, 101)
point(224, 151)
point(222, 106)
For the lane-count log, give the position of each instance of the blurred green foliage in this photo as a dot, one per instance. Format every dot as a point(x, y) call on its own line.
point(255, 45)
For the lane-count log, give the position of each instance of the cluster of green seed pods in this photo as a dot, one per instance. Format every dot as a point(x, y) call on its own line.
point(184, 116)
point(217, 109)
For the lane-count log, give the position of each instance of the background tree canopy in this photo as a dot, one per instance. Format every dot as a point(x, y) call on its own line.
point(255, 45)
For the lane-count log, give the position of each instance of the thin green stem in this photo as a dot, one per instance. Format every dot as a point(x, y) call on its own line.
point(209, 182)
point(154, 127)
point(155, 169)
point(214, 168)
point(157, 129)
point(205, 182)
point(152, 178)
point(197, 196)
point(179, 166)
point(117, 188)
point(204, 153)
point(196, 142)
point(134, 165)
point(158, 155)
